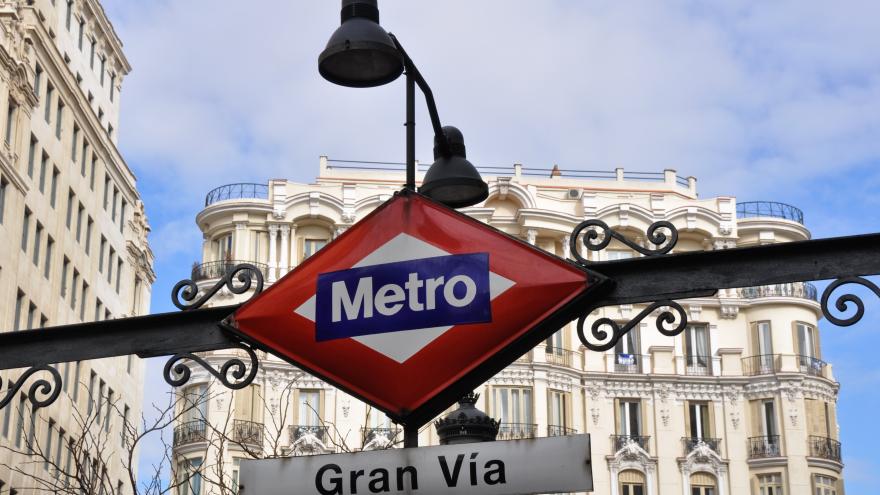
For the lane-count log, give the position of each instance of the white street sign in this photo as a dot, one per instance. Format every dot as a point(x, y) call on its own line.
point(546, 465)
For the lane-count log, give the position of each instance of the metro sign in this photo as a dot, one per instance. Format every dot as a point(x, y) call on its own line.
point(414, 306)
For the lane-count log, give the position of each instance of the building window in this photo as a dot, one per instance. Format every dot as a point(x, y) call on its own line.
point(190, 476)
point(47, 114)
point(627, 357)
point(101, 254)
point(82, 301)
point(697, 356)
point(770, 484)
point(92, 54)
point(558, 413)
point(47, 263)
point(112, 92)
point(106, 190)
point(82, 33)
point(118, 273)
point(110, 257)
point(513, 406)
point(92, 172)
point(32, 314)
point(25, 229)
point(632, 483)
point(32, 152)
point(38, 79)
point(59, 119)
point(38, 234)
point(113, 207)
point(64, 267)
point(699, 423)
point(312, 246)
point(43, 162)
point(308, 407)
point(53, 188)
point(11, 112)
point(79, 221)
point(236, 468)
point(629, 420)
point(47, 453)
point(825, 485)
point(103, 63)
point(74, 284)
point(808, 345)
point(69, 14)
point(703, 484)
point(99, 309)
point(19, 306)
point(3, 185)
point(89, 225)
point(74, 143)
point(85, 153)
point(224, 248)
point(122, 216)
point(70, 198)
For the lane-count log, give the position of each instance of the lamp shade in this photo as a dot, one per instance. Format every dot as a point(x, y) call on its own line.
point(360, 53)
point(452, 179)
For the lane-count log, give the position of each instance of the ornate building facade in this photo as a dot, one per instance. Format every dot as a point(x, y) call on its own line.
point(74, 238)
point(741, 402)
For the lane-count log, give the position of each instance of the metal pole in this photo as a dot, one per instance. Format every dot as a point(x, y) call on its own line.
point(410, 436)
point(410, 129)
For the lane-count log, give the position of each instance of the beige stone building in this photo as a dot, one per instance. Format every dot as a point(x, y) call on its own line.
point(74, 233)
point(740, 403)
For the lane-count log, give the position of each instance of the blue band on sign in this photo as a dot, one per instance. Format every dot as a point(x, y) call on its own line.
point(406, 295)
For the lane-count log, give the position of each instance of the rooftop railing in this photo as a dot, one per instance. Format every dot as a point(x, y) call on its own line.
point(803, 290)
point(559, 356)
point(698, 365)
point(244, 190)
point(772, 209)
point(811, 366)
point(762, 364)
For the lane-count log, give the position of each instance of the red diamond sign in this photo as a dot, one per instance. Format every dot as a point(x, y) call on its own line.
point(413, 306)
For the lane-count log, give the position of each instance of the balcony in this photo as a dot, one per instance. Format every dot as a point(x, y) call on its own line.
point(824, 448)
point(698, 365)
point(190, 432)
point(811, 365)
point(762, 364)
point(298, 431)
point(629, 363)
point(691, 443)
point(218, 269)
point(516, 431)
point(247, 432)
point(559, 356)
point(771, 209)
point(560, 431)
point(237, 191)
point(620, 441)
point(761, 447)
point(380, 435)
point(802, 290)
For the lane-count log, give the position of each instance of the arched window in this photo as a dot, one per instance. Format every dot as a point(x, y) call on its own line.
point(632, 483)
point(703, 484)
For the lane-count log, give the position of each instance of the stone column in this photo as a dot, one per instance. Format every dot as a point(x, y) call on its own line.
point(285, 249)
point(273, 235)
point(651, 478)
point(685, 481)
point(614, 480)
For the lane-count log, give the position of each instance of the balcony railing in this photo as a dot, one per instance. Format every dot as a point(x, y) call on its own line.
point(298, 431)
point(620, 441)
point(516, 431)
point(559, 356)
point(189, 432)
point(560, 431)
point(247, 432)
point(802, 290)
point(372, 433)
point(218, 269)
point(696, 365)
point(690, 443)
point(756, 209)
point(825, 448)
point(768, 446)
point(811, 365)
point(762, 364)
point(629, 363)
point(237, 191)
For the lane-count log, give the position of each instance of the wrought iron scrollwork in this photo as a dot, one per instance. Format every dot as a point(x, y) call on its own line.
point(603, 342)
point(842, 303)
point(50, 390)
point(177, 371)
point(188, 290)
point(597, 235)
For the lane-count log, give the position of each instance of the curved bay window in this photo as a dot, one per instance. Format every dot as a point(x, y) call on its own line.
point(825, 485)
point(632, 483)
point(770, 484)
point(703, 484)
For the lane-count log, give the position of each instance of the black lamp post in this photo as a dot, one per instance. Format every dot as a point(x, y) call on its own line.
point(361, 54)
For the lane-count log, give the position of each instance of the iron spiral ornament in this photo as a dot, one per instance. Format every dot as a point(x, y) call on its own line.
point(842, 303)
point(597, 235)
point(666, 324)
point(177, 370)
point(184, 293)
point(50, 390)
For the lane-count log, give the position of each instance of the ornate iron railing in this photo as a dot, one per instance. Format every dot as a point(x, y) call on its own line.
point(824, 447)
point(219, 269)
point(620, 441)
point(244, 190)
point(756, 209)
point(190, 432)
point(516, 431)
point(811, 365)
point(697, 365)
point(298, 431)
point(370, 433)
point(690, 443)
point(762, 364)
point(767, 446)
point(629, 363)
point(560, 431)
point(559, 356)
point(247, 432)
point(803, 290)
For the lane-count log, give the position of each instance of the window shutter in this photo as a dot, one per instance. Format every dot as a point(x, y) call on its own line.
point(242, 404)
point(757, 424)
point(687, 419)
point(618, 418)
point(711, 429)
point(816, 347)
point(753, 333)
point(256, 404)
point(795, 338)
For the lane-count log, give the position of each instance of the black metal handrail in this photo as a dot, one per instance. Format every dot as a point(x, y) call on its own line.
point(698, 365)
point(516, 431)
point(298, 431)
point(243, 190)
point(247, 432)
point(218, 269)
point(802, 290)
point(811, 366)
point(369, 433)
point(190, 432)
point(766, 446)
point(629, 363)
point(620, 441)
point(761, 364)
point(560, 431)
point(690, 443)
point(756, 209)
point(824, 447)
point(559, 355)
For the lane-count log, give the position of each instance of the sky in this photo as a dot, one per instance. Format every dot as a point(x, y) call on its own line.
point(775, 101)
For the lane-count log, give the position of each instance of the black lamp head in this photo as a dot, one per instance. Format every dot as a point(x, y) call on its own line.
point(360, 54)
point(452, 180)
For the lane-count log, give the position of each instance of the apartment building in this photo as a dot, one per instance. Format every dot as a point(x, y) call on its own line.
point(739, 403)
point(74, 238)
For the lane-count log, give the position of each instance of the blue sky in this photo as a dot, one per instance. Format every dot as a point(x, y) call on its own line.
point(760, 100)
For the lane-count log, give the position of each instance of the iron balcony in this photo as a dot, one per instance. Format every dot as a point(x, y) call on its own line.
point(766, 446)
point(516, 431)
